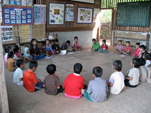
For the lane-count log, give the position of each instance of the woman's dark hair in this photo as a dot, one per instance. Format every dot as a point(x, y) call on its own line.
point(97, 71)
point(10, 54)
point(77, 68)
point(31, 44)
point(15, 49)
point(136, 62)
point(142, 61)
point(117, 65)
point(51, 69)
point(143, 47)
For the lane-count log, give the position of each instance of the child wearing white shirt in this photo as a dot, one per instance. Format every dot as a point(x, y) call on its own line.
point(18, 74)
point(132, 78)
point(116, 81)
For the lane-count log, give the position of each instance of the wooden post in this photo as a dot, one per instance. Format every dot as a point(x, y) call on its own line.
point(3, 91)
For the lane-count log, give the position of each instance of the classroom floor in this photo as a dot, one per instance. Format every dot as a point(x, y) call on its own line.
point(137, 100)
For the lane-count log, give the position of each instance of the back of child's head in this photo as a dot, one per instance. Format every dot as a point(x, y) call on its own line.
point(120, 41)
point(31, 43)
point(97, 71)
point(56, 40)
point(75, 37)
point(51, 69)
point(78, 68)
point(128, 42)
point(10, 54)
point(32, 64)
point(104, 41)
point(147, 56)
point(136, 62)
point(93, 40)
point(138, 44)
point(142, 61)
point(143, 47)
point(68, 42)
point(7, 49)
point(15, 49)
point(19, 62)
point(117, 65)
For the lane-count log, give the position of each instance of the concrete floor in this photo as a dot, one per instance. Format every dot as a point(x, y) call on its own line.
point(135, 100)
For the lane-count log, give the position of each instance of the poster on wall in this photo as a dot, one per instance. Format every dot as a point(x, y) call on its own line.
point(95, 13)
point(56, 13)
point(85, 15)
point(7, 33)
point(25, 32)
point(69, 12)
point(0, 11)
point(15, 2)
point(39, 14)
point(17, 16)
point(18, 2)
point(86, 1)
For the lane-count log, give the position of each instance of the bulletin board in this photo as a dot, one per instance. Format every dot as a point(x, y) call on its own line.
point(56, 13)
point(7, 33)
point(17, 15)
point(39, 14)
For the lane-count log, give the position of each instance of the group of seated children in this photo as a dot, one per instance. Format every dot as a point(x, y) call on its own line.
point(96, 46)
point(37, 53)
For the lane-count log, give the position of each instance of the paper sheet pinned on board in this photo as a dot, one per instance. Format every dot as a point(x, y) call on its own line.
point(47, 57)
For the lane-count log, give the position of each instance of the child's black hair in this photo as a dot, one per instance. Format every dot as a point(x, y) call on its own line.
point(32, 64)
point(78, 68)
point(104, 41)
point(142, 61)
point(68, 42)
point(31, 44)
point(75, 37)
point(10, 54)
point(117, 65)
point(15, 49)
point(56, 40)
point(120, 41)
point(128, 42)
point(138, 44)
point(51, 69)
point(93, 39)
point(43, 44)
point(97, 71)
point(6, 49)
point(136, 62)
point(147, 56)
point(19, 62)
point(143, 47)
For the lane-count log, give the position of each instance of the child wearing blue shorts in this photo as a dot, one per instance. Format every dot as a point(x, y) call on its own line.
point(104, 47)
point(97, 89)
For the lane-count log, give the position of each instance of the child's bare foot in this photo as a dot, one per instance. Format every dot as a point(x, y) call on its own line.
point(140, 82)
point(82, 91)
point(124, 87)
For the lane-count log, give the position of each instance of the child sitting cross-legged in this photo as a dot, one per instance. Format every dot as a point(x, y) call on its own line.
point(76, 45)
point(136, 51)
point(18, 74)
point(49, 48)
point(116, 81)
point(11, 62)
point(16, 52)
point(97, 88)
point(104, 47)
point(127, 50)
point(133, 75)
point(66, 46)
point(95, 45)
point(143, 70)
point(30, 82)
point(42, 49)
point(119, 47)
point(74, 83)
point(142, 51)
point(51, 82)
point(27, 56)
point(56, 48)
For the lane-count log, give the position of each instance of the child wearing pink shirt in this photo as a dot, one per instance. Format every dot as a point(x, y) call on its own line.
point(137, 50)
point(119, 47)
point(76, 45)
point(127, 50)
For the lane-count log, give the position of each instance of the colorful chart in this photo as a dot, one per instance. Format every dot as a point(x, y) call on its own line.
point(7, 33)
point(19, 2)
point(56, 13)
point(39, 14)
point(25, 33)
point(0, 11)
point(20, 16)
point(69, 12)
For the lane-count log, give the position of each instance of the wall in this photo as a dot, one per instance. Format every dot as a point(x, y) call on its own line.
point(85, 37)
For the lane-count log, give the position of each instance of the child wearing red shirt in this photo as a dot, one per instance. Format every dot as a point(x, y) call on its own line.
point(16, 51)
point(104, 47)
point(30, 82)
point(74, 83)
point(127, 50)
point(137, 50)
